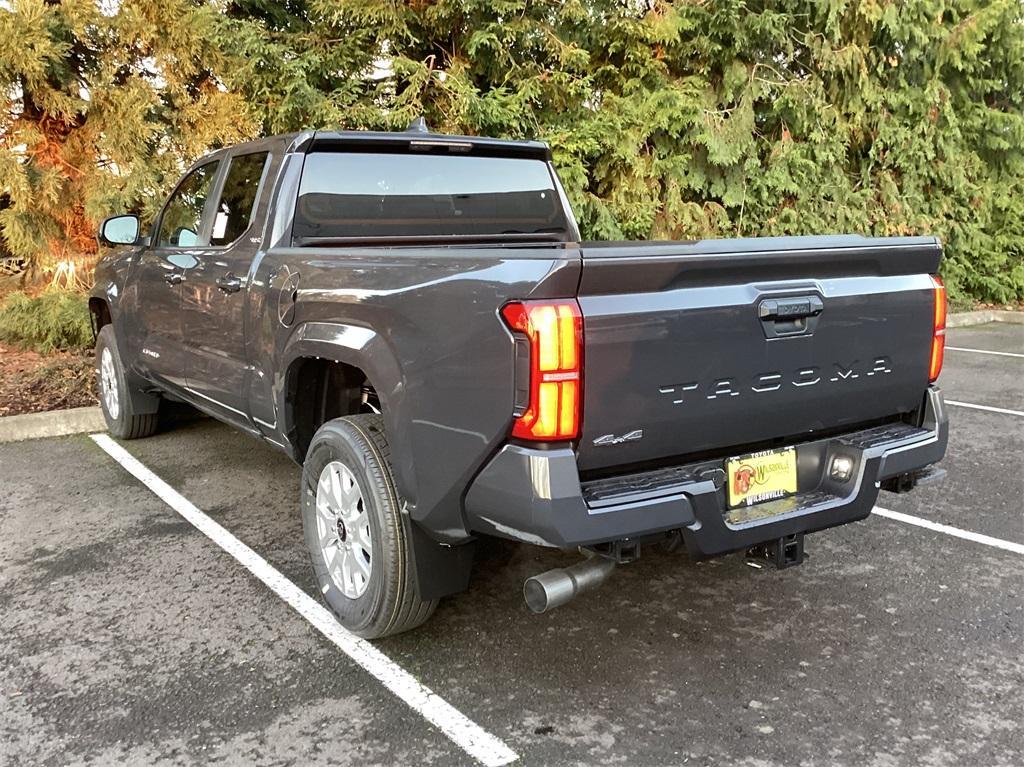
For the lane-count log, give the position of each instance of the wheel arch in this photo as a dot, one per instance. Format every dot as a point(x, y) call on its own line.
point(316, 390)
point(99, 315)
point(324, 366)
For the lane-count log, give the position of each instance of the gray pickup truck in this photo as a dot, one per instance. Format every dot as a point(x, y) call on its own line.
point(413, 318)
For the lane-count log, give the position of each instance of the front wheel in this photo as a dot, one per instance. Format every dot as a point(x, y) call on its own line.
point(358, 539)
point(115, 399)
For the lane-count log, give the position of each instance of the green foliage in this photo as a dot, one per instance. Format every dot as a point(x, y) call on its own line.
point(684, 119)
point(103, 110)
point(55, 319)
point(734, 118)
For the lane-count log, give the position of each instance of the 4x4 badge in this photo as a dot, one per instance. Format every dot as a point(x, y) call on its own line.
point(611, 439)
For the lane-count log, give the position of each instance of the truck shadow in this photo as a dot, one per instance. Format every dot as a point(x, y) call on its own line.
point(252, 490)
point(665, 627)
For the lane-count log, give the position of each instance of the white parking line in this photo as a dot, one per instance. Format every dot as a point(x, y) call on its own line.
point(988, 408)
point(466, 734)
point(983, 351)
point(967, 535)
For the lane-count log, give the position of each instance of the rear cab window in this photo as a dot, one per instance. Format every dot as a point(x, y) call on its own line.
point(352, 195)
point(238, 198)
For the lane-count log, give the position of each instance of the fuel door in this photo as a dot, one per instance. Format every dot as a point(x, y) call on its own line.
point(287, 294)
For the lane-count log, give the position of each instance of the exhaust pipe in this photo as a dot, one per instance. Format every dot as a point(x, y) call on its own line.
point(556, 587)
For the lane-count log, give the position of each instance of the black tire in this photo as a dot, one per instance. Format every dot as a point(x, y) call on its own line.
point(390, 603)
point(125, 423)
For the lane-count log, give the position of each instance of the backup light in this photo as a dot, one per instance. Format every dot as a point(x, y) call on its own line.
point(841, 468)
point(554, 331)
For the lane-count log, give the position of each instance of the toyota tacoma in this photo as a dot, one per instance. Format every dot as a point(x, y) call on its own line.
point(414, 319)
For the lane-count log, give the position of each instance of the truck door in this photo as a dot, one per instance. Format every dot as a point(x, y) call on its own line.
point(215, 290)
point(156, 333)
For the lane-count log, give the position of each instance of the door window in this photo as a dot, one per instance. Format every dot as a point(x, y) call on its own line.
point(181, 225)
point(238, 200)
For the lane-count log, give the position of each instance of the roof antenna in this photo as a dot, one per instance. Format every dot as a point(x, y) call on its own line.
point(419, 125)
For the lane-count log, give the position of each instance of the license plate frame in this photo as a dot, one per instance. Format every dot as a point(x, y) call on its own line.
point(760, 477)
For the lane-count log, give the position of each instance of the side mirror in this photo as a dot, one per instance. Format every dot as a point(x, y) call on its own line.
point(185, 238)
point(120, 230)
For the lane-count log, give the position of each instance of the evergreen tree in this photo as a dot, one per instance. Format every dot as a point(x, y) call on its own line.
point(745, 117)
point(105, 104)
point(300, 64)
point(719, 118)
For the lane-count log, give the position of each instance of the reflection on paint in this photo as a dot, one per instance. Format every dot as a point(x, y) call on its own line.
point(353, 337)
point(540, 477)
point(349, 336)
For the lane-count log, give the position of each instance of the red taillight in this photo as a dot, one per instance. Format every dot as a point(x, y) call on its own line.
point(938, 330)
point(554, 330)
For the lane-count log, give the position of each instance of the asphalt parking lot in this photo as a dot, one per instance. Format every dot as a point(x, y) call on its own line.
point(127, 636)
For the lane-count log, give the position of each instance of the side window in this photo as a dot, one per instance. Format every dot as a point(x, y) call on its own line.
point(237, 201)
point(183, 216)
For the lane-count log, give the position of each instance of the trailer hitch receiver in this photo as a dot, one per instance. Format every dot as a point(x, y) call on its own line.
point(784, 552)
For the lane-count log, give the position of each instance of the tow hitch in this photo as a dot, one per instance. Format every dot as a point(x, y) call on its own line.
point(904, 483)
point(784, 552)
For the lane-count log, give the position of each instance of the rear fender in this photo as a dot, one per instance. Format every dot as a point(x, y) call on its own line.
point(440, 569)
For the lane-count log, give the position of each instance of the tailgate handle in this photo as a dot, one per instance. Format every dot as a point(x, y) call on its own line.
point(790, 308)
point(791, 316)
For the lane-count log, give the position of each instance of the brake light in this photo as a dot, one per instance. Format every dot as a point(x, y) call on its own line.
point(938, 330)
point(554, 330)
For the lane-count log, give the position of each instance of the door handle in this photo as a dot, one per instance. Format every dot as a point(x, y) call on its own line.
point(174, 278)
point(790, 308)
point(229, 283)
point(790, 316)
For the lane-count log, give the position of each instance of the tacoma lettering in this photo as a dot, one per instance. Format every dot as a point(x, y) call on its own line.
point(773, 381)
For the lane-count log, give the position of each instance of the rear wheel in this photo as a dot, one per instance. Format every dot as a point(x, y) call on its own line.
point(358, 539)
point(115, 400)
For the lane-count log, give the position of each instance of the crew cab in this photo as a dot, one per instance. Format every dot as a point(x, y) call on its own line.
point(414, 319)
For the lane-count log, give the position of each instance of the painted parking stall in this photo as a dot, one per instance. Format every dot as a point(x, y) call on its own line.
point(466, 734)
point(967, 535)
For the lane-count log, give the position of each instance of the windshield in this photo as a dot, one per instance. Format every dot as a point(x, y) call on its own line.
point(345, 195)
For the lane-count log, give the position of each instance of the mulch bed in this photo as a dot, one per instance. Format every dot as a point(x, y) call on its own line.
point(32, 382)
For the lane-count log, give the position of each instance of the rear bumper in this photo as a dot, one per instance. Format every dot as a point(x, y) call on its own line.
point(535, 495)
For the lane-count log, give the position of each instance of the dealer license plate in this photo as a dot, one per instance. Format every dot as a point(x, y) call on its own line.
point(761, 476)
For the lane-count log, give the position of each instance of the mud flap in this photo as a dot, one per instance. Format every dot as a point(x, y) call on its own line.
point(440, 570)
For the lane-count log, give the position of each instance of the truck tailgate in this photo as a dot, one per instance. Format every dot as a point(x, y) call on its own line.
point(719, 346)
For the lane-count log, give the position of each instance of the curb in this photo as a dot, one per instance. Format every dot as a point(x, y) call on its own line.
point(983, 317)
point(55, 423)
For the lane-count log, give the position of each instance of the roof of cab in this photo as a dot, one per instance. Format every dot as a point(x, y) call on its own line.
point(417, 141)
point(414, 139)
